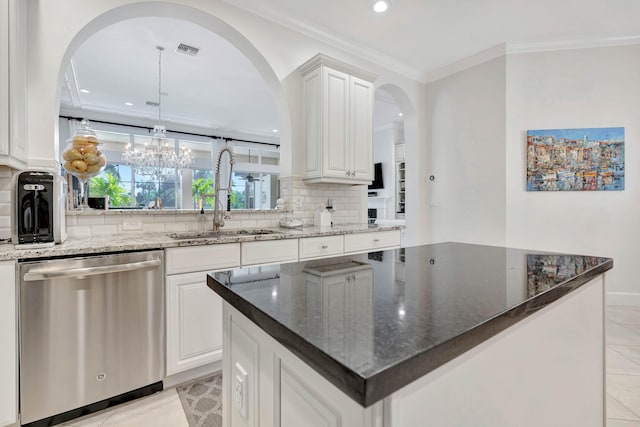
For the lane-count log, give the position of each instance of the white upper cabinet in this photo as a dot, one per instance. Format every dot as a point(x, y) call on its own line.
point(4, 78)
point(13, 95)
point(338, 121)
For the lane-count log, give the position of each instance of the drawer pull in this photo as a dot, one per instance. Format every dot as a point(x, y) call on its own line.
point(376, 240)
point(324, 246)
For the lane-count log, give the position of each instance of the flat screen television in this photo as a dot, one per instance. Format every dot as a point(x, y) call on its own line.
point(377, 177)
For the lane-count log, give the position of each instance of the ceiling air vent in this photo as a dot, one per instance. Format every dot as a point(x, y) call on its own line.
point(187, 50)
point(152, 103)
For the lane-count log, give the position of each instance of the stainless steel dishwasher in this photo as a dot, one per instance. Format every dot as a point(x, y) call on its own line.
point(91, 333)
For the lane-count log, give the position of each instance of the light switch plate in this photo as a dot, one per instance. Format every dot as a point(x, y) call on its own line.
point(240, 390)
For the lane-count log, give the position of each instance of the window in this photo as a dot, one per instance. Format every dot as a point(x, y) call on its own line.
point(202, 183)
point(254, 181)
point(254, 190)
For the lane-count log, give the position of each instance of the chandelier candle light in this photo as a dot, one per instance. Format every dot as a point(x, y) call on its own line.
point(159, 158)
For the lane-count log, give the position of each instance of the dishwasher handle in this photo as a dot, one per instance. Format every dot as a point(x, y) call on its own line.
point(90, 271)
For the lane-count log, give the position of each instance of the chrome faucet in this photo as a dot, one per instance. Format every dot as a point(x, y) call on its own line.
point(218, 220)
point(204, 196)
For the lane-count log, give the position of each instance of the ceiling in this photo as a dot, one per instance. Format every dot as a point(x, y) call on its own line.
point(218, 91)
point(419, 37)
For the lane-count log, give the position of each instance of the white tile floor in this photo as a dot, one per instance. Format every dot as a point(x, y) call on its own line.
point(623, 385)
point(158, 410)
point(623, 366)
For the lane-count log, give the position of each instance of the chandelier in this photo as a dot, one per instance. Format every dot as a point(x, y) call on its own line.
point(159, 158)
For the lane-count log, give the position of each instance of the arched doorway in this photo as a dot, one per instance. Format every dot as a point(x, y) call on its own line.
point(207, 22)
point(175, 19)
point(395, 145)
point(387, 199)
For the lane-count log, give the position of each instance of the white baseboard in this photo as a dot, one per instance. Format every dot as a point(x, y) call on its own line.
point(623, 298)
point(192, 374)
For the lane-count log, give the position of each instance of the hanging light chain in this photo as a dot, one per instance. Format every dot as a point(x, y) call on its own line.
point(158, 159)
point(160, 49)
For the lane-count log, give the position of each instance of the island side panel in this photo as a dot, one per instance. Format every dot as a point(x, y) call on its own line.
point(282, 390)
point(547, 370)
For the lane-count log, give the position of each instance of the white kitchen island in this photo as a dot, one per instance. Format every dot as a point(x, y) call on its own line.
point(437, 335)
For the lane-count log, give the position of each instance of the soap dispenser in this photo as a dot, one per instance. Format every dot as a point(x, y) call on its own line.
point(322, 217)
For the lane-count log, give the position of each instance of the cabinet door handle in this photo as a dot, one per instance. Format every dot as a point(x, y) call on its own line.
point(348, 173)
point(353, 173)
point(324, 246)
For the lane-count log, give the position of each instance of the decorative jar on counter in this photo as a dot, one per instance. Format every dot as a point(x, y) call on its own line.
point(83, 158)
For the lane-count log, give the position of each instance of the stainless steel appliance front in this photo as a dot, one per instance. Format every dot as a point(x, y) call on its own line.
point(91, 328)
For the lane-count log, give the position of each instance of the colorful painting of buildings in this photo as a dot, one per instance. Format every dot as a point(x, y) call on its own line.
point(589, 159)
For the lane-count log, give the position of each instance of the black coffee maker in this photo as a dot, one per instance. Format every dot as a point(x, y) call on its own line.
point(39, 209)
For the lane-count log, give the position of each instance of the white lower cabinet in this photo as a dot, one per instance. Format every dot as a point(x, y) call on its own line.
point(271, 387)
point(359, 242)
point(8, 343)
point(301, 407)
point(320, 247)
point(194, 323)
point(202, 258)
point(269, 251)
point(193, 311)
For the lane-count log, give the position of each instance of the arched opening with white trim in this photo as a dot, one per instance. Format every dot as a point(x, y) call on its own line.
point(207, 22)
point(395, 138)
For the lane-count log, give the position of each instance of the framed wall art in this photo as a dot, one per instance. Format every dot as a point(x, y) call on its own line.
point(589, 159)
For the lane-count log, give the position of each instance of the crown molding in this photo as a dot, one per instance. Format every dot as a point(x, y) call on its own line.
point(465, 63)
point(384, 96)
point(354, 48)
point(518, 48)
point(515, 48)
point(321, 59)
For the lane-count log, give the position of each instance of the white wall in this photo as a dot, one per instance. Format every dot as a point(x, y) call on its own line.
point(576, 89)
point(466, 122)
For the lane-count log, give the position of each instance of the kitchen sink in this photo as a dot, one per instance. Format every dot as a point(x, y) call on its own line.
point(222, 233)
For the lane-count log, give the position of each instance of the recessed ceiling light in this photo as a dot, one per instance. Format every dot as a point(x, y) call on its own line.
point(85, 91)
point(400, 114)
point(274, 130)
point(380, 6)
point(128, 103)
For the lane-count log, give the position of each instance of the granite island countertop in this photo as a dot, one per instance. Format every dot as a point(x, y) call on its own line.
point(413, 310)
point(134, 242)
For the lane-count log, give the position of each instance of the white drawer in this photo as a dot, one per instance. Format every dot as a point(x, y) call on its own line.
point(318, 247)
point(202, 258)
point(366, 241)
point(267, 251)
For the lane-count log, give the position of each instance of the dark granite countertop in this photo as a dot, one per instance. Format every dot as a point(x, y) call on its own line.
point(373, 323)
point(137, 242)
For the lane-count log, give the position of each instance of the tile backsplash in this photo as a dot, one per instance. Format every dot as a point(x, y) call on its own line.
point(99, 223)
point(5, 202)
point(302, 201)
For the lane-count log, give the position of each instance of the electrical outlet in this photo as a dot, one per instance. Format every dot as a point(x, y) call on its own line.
point(240, 390)
point(131, 225)
point(298, 202)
